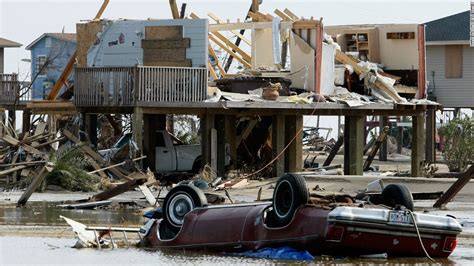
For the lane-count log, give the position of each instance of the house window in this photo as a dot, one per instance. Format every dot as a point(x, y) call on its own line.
point(47, 42)
point(40, 62)
point(453, 67)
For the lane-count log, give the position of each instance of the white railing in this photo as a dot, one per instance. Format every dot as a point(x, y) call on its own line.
point(171, 84)
point(104, 86)
point(141, 85)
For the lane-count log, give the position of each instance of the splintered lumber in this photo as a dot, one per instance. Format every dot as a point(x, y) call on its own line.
point(40, 175)
point(22, 163)
point(345, 59)
point(11, 170)
point(174, 9)
point(88, 150)
point(115, 165)
point(452, 191)
point(110, 193)
point(236, 33)
point(147, 193)
point(334, 151)
point(376, 148)
point(282, 15)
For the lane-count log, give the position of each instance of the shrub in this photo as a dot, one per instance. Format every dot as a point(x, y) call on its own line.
point(459, 143)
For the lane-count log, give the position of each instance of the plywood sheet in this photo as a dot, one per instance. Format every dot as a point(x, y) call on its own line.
point(166, 44)
point(262, 44)
point(163, 32)
point(164, 54)
point(453, 61)
point(86, 37)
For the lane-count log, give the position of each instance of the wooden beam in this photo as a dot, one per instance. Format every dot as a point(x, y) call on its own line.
point(278, 144)
point(236, 49)
point(101, 10)
point(117, 190)
point(282, 15)
point(291, 14)
point(295, 150)
point(40, 175)
point(430, 151)
point(376, 147)
point(318, 59)
point(93, 154)
point(62, 80)
point(454, 189)
point(353, 144)
point(212, 71)
point(255, 5)
point(384, 148)
point(221, 156)
point(174, 9)
point(231, 138)
point(334, 151)
point(236, 33)
point(219, 66)
point(421, 62)
point(418, 144)
point(225, 48)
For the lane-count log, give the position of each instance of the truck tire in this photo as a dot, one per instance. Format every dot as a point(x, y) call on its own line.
point(397, 194)
point(289, 194)
point(179, 201)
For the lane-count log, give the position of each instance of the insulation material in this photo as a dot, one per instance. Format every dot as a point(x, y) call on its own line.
point(276, 40)
point(302, 63)
point(119, 42)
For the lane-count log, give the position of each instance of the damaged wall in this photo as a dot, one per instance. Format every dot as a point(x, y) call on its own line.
point(118, 43)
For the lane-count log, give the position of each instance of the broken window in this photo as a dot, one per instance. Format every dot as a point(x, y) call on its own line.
point(40, 65)
point(453, 67)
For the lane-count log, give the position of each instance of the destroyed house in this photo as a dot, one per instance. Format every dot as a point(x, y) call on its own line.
point(9, 83)
point(49, 55)
point(450, 61)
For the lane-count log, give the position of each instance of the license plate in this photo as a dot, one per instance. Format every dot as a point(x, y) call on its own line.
point(399, 217)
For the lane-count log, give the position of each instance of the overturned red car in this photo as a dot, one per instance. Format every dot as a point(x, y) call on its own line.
point(189, 223)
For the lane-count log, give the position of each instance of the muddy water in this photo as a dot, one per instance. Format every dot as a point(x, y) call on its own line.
point(15, 249)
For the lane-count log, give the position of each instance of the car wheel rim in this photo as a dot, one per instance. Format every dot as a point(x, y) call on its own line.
point(179, 206)
point(283, 198)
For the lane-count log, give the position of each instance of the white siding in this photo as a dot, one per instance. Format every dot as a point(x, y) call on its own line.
point(130, 53)
point(450, 92)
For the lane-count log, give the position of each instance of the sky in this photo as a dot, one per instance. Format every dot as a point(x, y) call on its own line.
point(25, 20)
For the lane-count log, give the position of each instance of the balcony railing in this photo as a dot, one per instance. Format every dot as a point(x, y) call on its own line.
point(11, 90)
point(132, 86)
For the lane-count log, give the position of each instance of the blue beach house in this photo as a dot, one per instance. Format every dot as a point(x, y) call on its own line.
point(50, 54)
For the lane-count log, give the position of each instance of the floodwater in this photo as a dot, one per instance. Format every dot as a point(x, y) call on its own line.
point(16, 249)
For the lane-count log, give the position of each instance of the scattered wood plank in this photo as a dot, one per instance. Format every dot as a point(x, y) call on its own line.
point(334, 151)
point(110, 193)
point(88, 150)
point(452, 191)
point(11, 170)
point(40, 175)
point(381, 138)
point(148, 195)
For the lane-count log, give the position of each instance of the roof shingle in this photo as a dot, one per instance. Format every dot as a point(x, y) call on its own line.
point(451, 28)
point(7, 43)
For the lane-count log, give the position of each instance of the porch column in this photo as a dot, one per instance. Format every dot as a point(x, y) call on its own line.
point(25, 127)
point(219, 123)
point(384, 148)
point(207, 124)
point(12, 118)
point(418, 144)
point(151, 124)
point(278, 144)
point(90, 126)
point(137, 128)
point(430, 151)
point(231, 138)
point(353, 145)
point(294, 152)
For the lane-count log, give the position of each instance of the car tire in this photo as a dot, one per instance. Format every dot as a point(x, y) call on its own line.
point(289, 194)
point(397, 194)
point(179, 201)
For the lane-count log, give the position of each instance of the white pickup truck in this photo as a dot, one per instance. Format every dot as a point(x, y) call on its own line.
point(172, 155)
